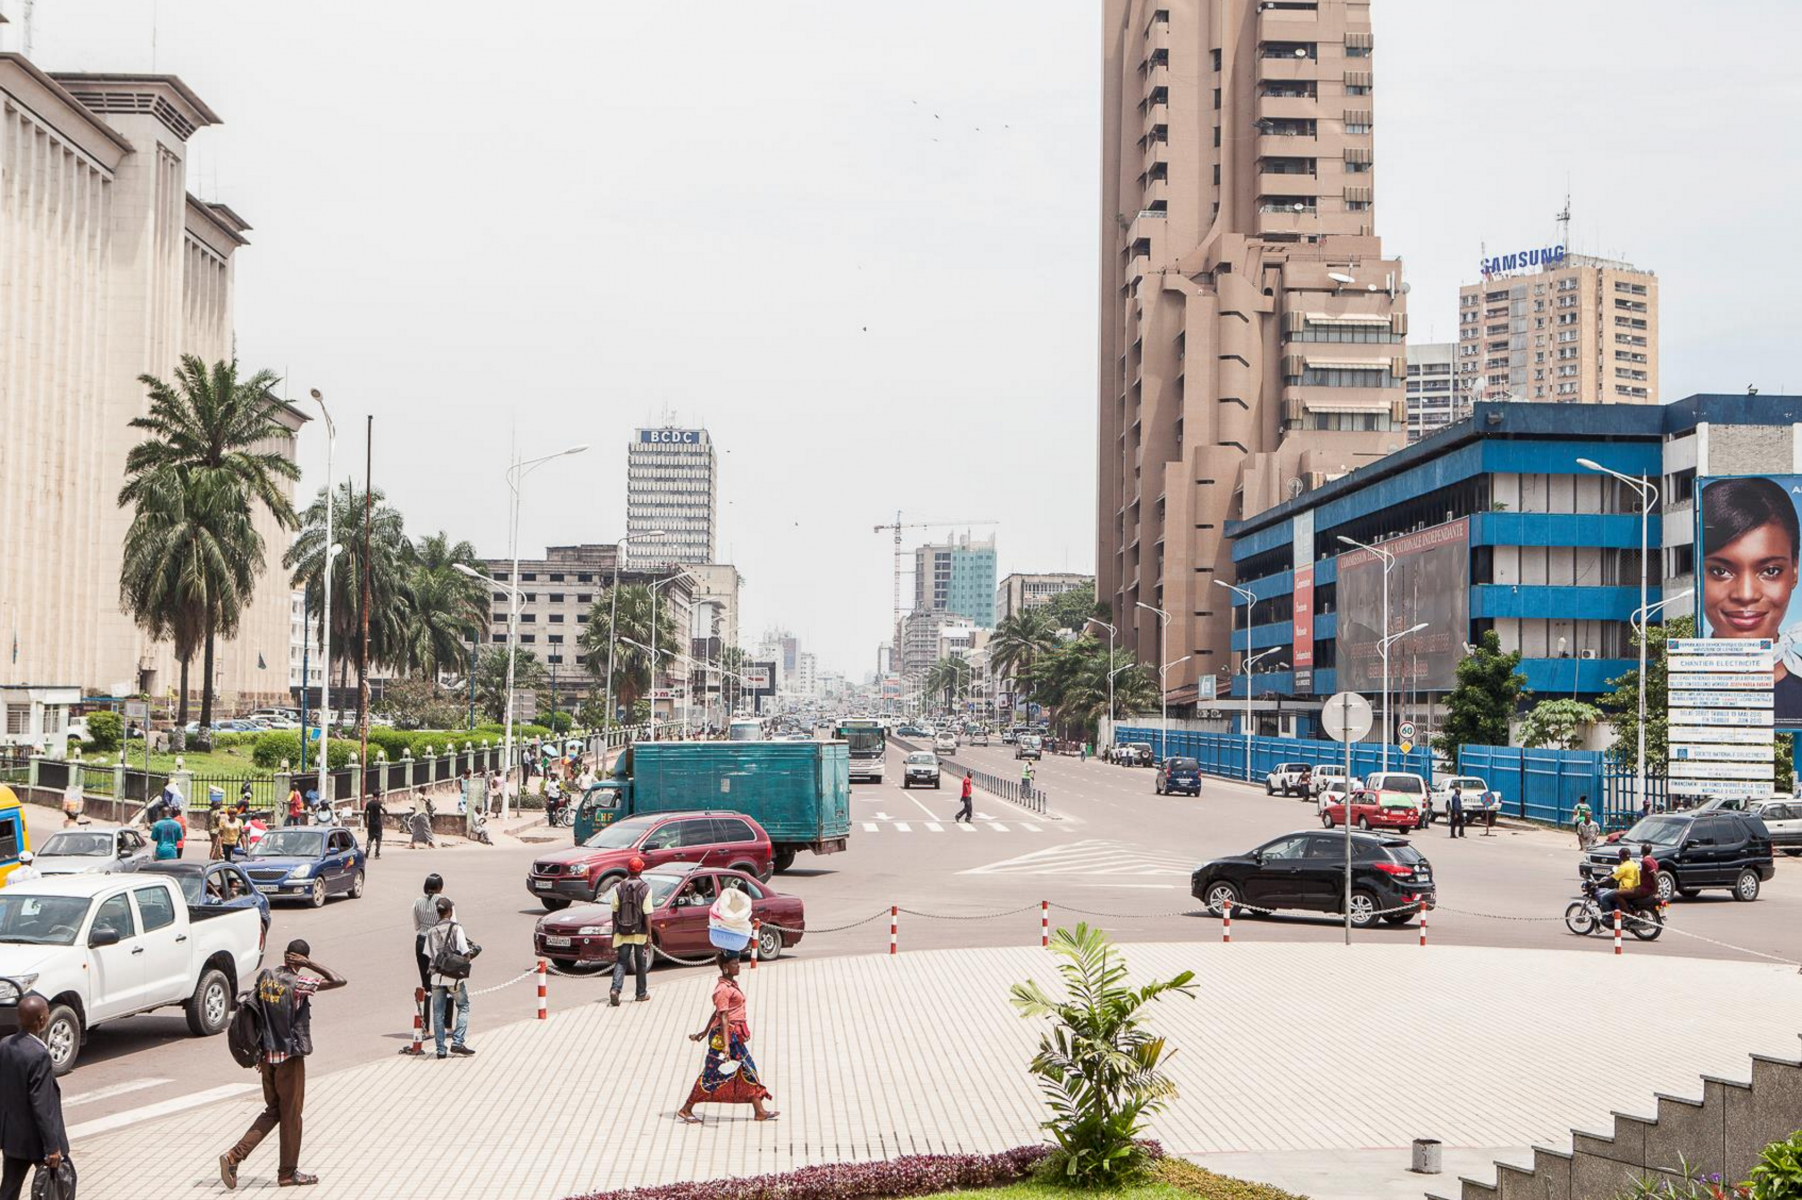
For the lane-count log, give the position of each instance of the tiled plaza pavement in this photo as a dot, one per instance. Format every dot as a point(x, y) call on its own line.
point(1287, 1049)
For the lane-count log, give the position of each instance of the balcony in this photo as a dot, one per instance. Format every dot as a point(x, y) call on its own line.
point(1289, 68)
point(1286, 108)
point(1157, 192)
point(1284, 183)
point(1285, 218)
point(1280, 145)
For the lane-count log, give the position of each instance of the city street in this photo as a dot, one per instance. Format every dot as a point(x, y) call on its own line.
point(1110, 852)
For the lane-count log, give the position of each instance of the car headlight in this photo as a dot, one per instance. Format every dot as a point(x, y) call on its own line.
point(591, 930)
point(14, 987)
point(300, 872)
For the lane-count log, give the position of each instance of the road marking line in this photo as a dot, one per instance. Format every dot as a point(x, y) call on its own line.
point(1123, 885)
point(151, 1111)
point(967, 827)
point(997, 826)
point(1031, 828)
point(903, 827)
point(869, 827)
point(117, 1089)
point(935, 827)
point(882, 816)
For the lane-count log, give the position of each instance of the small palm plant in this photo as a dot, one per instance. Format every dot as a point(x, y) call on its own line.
point(1098, 1068)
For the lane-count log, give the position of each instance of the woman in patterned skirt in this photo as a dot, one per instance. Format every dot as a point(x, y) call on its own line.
point(729, 1076)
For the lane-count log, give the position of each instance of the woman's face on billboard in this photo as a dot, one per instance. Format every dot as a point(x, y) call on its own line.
point(1746, 584)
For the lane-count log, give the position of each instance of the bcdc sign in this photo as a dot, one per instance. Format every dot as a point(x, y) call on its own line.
point(674, 437)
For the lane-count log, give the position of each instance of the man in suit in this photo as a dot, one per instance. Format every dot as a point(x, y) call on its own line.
point(31, 1103)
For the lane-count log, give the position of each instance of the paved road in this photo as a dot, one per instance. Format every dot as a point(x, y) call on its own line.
point(1111, 852)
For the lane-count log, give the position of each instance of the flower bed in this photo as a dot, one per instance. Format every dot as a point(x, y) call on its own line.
point(914, 1175)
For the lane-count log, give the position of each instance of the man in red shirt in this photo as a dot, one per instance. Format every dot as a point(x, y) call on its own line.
point(964, 813)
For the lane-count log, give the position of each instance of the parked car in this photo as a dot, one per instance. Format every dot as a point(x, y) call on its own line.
point(1327, 775)
point(1287, 779)
point(714, 839)
point(1133, 754)
point(1402, 783)
point(1334, 791)
point(1029, 746)
point(945, 743)
point(1371, 809)
point(1694, 850)
point(91, 851)
point(104, 947)
point(1177, 775)
point(307, 862)
point(1306, 871)
point(1783, 818)
point(979, 737)
point(681, 895)
point(1474, 796)
point(1009, 736)
point(921, 767)
point(211, 886)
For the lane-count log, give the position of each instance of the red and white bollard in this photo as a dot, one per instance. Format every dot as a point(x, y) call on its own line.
point(756, 931)
point(1617, 931)
point(418, 1022)
point(1423, 922)
point(894, 928)
point(1226, 922)
point(1044, 924)
point(543, 1007)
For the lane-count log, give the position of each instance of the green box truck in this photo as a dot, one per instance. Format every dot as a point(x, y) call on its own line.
point(800, 792)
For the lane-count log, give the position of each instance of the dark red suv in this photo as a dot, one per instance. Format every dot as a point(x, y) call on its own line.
point(713, 839)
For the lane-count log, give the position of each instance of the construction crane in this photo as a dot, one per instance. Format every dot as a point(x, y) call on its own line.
point(897, 527)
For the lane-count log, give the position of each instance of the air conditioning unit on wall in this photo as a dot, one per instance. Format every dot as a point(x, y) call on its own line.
point(1588, 654)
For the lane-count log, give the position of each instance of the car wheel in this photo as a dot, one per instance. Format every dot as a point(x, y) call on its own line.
point(553, 904)
point(1746, 886)
point(356, 886)
point(1326, 820)
point(1363, 910)
point(1398, 918)
point(317, 896)
point(1792, 850)
point(905, 785)
point(1219, 895)
point(1667, 887)
point(1364, 824)
point(784, 859)
point(769, 943)
point(603, 883)
point(744, 868)
point(935, 785)
point(1689, 893)
point(209, 1008)
point(1268, 789)
point(62, 1037)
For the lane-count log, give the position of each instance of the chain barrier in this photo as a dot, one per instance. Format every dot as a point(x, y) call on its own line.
point(525, 974)
point(1012, 912)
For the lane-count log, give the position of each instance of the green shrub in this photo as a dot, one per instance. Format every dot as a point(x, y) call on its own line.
point(561, 721)
point(104, 730)
point(1778, 1175)
point(278, 744)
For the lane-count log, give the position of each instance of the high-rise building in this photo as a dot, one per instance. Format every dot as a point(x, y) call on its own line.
point(109, 270)
point(672, 488)
point(1252, 333)
point(1018, 593)
point(957, 577)
point(1576, 329)
point(1433, 395)
point(716, 601)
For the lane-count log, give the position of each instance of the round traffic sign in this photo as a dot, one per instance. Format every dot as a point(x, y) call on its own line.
point(1407, 731)
point(1346, 717)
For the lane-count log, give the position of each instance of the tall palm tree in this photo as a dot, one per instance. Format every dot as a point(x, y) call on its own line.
point(449, 609)
point(194, 483)
point(1019, 641)
point(631, 666)
point(947, 678)
point(390, 573)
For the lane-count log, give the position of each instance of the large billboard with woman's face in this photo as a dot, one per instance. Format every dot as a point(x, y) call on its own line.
point(1748, 535)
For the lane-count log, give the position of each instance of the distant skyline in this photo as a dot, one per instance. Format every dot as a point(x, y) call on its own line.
point(858, 242)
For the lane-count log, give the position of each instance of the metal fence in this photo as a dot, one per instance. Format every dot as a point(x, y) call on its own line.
point(1224, 754)
point(1015, 791)
point(1545, 785)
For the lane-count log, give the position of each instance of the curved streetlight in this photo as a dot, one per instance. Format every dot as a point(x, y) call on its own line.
point(1648, 496)
point(1111, 673)
point(325, 638)
point(613, 625)
point(1388, 560)
point(1163, 691)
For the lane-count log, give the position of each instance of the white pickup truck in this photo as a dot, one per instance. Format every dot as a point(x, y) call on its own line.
point(102, 947)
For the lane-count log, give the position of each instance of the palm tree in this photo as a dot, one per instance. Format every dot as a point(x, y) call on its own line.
point(632, 672)
point(491, 678)
point(194, 484)
point(948, 677)
point(449, 609)
point(1019, 640)
point(390, 572)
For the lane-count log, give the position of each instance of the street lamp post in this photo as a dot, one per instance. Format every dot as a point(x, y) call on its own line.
point(1648, 496)
point(1250, 600)
point(1638, 622)
point(651, 652)
point(1383, 644)
point(1110, 674)
point(654, 607)
point(325, 637)
point(512, 591)
point(1384, 647)
point(613, 626)
point(1163, 692)
point(1250, 661)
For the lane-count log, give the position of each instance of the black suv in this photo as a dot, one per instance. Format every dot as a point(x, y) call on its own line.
point(1178, 775)
point(1695, 850)
point(1390, 877)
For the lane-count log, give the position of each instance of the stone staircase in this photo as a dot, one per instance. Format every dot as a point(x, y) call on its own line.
point(1723, 1132)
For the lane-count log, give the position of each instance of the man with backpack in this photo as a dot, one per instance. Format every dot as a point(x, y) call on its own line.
point(631, 932)
point(450, 952)
point(273, 1029)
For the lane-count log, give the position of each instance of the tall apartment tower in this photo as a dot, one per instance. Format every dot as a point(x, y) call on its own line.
point(1435, 399)
point(1252, 333)
point(1577, 329)
point(672, 488)
point(957, 577)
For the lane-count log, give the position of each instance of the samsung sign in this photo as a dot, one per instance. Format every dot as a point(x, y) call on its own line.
point(1520, 260)
point(680, 437)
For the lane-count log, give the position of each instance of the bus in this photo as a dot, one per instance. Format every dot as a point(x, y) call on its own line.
point(745, 731)
point(869, 746)
point(15, 840)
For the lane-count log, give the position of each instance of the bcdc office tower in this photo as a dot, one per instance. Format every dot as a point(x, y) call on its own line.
point(1252, 333)
point(672, 487)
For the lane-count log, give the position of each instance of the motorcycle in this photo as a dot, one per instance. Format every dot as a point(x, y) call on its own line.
point(558, 811)
point(1644, 919)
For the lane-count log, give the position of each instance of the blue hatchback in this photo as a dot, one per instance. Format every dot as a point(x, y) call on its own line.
point(307, 862)
point(1179, 775)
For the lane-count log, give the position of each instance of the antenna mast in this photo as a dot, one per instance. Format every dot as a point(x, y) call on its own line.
point(1564, 224)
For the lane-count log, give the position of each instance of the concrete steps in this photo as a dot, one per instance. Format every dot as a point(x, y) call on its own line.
point(1723, 1132)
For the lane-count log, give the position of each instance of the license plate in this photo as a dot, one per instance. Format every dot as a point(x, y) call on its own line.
point(542, 885)
point(266, 888)
point(558, 942)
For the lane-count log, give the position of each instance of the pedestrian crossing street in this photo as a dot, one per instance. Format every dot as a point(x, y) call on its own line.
point(882, 822)
point(1095, 857)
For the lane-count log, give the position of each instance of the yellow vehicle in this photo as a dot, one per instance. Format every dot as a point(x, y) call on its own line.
point(15, 839)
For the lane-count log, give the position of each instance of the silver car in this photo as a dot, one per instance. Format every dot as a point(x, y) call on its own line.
point(92, 851)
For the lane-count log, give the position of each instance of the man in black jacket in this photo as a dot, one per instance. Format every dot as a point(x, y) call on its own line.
point(31, 1103)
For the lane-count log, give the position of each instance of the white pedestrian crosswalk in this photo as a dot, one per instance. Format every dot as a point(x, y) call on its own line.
point(984, 823)
point(1091, 857)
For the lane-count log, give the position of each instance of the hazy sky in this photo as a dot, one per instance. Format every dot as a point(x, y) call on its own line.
point(858, 240)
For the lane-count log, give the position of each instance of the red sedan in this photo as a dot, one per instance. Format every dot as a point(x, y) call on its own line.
point(1374, 810)
point(681, 896)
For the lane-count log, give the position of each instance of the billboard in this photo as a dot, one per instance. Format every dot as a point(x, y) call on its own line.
point(1748, 532)
point(1429, 582)
point(675, 437)
point(1301, 628)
